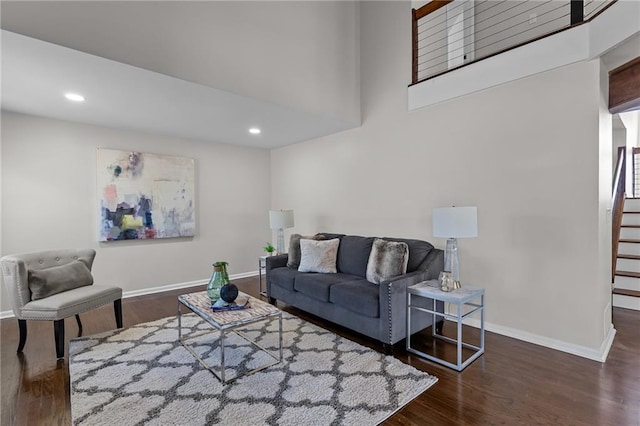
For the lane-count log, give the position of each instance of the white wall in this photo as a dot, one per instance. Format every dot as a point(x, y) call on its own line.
point(300, 54)
point(527, 153)
point(49, 201)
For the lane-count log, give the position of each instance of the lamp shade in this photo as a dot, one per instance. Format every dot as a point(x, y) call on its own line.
point(455, 222)
point(280, 219)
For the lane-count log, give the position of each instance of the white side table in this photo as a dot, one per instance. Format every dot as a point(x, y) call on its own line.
point(262, 266)
point(463, 297)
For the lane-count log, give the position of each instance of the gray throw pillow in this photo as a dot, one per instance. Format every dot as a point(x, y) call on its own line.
point(47, 282)
point(319, 256)
point(294, 248)
point(388, 259)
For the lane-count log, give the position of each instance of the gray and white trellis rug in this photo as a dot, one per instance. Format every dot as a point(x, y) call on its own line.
point(142, 375)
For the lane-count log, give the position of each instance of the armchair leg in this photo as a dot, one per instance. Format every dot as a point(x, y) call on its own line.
point(117, 308)
point(22, 326)
point(58, 334)
point(79, 325)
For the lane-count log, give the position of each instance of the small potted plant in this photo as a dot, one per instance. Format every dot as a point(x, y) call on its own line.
point(269, 249)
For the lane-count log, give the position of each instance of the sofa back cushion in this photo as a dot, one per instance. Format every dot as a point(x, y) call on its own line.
point(418, 252)
point(353, 254)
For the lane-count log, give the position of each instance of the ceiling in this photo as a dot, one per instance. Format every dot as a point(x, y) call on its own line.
point(36, 74)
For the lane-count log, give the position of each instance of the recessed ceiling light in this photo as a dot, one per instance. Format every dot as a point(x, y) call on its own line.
point(254, 131)
point(74, 97)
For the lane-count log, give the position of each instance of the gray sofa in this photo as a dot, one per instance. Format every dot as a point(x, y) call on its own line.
point(348, 299)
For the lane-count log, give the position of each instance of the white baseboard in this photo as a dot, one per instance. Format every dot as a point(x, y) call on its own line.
point(582, 351)
point(160, 289)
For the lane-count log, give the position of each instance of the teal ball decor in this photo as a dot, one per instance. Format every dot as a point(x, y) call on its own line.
point(229, 292)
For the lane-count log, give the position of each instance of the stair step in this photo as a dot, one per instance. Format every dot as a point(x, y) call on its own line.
point(626, 292)
point(629, 256)
point(628, 240)
point(630, 226)
point(628, 274)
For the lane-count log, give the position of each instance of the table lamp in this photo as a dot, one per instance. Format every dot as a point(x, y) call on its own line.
point(280, 220)
point(453, 223)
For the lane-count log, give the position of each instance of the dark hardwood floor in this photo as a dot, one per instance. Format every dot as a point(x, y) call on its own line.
point(514, 383)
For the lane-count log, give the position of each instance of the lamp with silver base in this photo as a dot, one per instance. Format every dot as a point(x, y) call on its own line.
point(453, 223)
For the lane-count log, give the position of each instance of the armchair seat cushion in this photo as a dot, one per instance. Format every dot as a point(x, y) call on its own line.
point(71, 302)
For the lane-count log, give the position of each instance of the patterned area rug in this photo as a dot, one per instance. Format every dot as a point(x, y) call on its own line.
point(142, 375)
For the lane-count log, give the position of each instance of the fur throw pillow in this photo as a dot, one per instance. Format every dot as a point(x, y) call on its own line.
point(319, 256)
point(387, 259)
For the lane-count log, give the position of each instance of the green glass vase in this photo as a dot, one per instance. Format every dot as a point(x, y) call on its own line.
point(219, 279)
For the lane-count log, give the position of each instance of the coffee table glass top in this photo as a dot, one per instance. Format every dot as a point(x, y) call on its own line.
point(201, 304)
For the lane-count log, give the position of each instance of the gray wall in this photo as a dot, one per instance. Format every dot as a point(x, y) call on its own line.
point(49, 201)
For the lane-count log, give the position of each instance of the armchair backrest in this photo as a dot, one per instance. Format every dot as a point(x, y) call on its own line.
point(16, 267)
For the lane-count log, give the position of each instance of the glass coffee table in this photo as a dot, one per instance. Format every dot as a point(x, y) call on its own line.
point(225, 322)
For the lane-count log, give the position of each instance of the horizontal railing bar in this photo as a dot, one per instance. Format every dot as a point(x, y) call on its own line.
point(607, 6)
point(491, 17)
point(498, 32)
point(483, 38)
point(496, 53)
point(437, 20)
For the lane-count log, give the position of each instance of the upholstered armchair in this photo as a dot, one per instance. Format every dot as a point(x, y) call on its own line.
point(53, 285)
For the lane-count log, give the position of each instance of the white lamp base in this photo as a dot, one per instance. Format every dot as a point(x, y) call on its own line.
point(280, 241)
point(451, 261)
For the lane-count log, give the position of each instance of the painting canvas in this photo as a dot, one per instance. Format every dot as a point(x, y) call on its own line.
point(145, 196)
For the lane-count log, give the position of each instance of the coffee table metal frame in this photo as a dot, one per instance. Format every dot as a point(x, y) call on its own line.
point(229, 321)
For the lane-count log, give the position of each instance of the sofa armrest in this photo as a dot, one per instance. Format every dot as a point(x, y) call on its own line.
point(277, 261)
point(393, 305)
point(273, 262)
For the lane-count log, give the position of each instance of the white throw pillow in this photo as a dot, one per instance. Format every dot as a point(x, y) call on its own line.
point(319, 256)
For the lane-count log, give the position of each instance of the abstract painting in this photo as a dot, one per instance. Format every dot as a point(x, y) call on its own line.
point(145, 196)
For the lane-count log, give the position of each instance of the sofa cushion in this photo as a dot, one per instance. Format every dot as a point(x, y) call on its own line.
point(319, 256)
point(353, 255)
point(293, 261)
point(317, 286)
point(418, 251)
point(47, 282)
point(387, 259)
point(359, 296)
point(283, 277)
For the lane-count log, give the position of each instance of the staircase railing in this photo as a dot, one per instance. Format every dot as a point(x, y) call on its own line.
point(617, 209)
point(449, 34)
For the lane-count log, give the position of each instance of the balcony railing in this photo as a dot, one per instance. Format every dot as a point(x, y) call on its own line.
point(449, 34)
